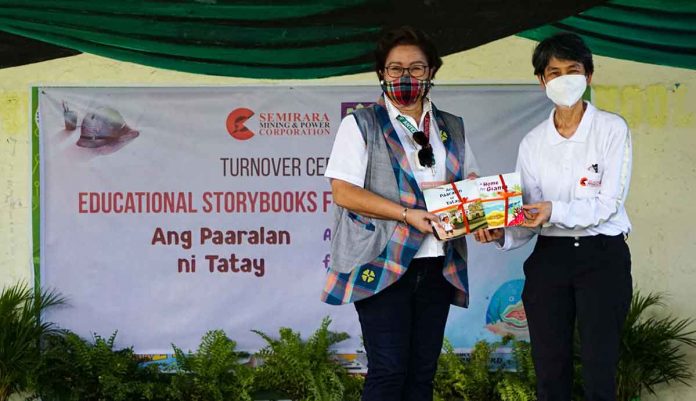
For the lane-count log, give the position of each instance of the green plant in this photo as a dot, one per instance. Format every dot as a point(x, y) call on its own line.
point(650, 354)
point(450, 370)
point(213, 373)
point(73, 369)
point(511, 388)
point(352, 385)
point(651, 349)
point(467, 379)
point(578, 389)
point(21, 329)
point(305, 370)
point(519, 385)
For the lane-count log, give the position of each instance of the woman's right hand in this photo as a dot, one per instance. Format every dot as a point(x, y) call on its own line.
point(484, 236)
point(422, 220)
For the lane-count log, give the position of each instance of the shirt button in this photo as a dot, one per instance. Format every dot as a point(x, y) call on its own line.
point(576, 244)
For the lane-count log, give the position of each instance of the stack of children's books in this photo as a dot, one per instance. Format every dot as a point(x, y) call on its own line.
point(482, 203)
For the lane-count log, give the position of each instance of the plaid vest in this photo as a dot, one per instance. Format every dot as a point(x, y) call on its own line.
point(402, 243)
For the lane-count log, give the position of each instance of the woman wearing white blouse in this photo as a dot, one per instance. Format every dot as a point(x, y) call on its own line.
point(575, 169)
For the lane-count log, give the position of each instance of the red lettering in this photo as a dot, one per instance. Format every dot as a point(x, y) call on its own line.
point(81, 203)
point(241, 202)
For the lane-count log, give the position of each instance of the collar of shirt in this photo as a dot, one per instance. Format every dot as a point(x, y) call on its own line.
point(394, 112)
point(580, 135)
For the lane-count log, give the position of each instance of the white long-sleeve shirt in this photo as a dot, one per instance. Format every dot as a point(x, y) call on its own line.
point(586, 177)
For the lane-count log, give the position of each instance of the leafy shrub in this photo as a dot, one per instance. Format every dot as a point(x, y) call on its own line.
point(651, 351)
point(73, 369)
point(305, 370)
point(519, 385)
point(467, 379)
point(213, 373)
point(21, 330)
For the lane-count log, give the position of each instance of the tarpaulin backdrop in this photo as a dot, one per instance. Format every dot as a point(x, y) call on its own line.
point(138, 183)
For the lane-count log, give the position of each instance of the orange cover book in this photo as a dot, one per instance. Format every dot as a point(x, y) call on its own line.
point(487, 202)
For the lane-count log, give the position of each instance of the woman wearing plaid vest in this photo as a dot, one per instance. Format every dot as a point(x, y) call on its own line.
point(384, 257)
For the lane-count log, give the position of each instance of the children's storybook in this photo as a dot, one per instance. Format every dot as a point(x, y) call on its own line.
point(469, 205)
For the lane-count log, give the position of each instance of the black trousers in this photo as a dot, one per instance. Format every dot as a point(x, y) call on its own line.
point(583, 278)
point(403, 328)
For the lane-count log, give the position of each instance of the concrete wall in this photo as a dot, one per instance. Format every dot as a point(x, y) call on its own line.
point(658, 102)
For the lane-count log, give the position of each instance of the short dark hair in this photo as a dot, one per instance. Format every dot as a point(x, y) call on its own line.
point(406, 35)
point(563, 46)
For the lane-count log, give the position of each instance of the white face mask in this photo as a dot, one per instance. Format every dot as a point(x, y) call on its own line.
point(566, 90)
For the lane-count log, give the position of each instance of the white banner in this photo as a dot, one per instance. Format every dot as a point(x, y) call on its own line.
point(167, 212)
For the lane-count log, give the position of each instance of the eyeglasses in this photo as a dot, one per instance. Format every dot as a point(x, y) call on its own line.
point(425, 154)
point(416, 71)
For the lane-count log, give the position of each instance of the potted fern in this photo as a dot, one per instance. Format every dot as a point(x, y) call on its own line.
point(305, 369)
point(520, 384)
point(651, 349)
point(467, 379)
point(474, 378)
point(75, 369)
point(21, 330)
point(213, 372)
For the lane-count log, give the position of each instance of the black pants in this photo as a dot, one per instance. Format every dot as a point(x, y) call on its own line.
point(403, 328)
point(588, 279)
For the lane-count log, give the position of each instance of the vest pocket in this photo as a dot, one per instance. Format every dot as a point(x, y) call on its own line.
point(357, 239)
point(361, 221)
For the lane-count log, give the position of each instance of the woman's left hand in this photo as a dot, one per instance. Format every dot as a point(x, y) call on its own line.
point(484, 235)
point(536, 214)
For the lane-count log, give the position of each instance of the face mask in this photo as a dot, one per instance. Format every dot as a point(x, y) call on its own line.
point(566, 90)
point(406, 90)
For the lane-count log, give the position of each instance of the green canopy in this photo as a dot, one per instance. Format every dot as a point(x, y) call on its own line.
point(650, 31)
point(233, 38)
point(320, 38)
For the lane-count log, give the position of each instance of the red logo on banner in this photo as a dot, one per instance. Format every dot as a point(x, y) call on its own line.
point(235, 123)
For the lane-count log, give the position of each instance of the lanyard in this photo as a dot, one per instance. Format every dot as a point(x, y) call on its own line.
point(412, 129)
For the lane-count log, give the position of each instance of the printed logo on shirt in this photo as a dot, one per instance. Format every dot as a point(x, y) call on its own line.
point(594, 168)
point(586, 182)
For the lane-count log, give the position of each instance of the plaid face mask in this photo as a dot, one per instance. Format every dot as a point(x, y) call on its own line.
point(406, 90)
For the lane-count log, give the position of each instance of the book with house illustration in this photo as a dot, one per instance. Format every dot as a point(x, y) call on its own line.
point(465, 206)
